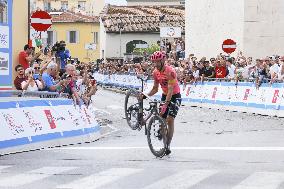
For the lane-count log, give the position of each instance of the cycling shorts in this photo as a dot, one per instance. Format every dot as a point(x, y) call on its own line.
point(172, 109)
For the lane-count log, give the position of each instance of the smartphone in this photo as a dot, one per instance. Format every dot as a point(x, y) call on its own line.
point(36, 76)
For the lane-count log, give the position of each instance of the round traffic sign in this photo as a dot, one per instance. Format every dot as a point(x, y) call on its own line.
point(41, 21)
point(229, 46)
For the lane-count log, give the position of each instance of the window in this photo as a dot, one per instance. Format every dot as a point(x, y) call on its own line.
point(82, 5)
point(64, 5)
point(51, 38)
point(47, 6)
point(3, 12)
point(73, 36)
point(96, 37)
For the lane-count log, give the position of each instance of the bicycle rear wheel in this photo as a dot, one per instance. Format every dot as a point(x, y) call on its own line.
point(131, 109)
point(157, 135)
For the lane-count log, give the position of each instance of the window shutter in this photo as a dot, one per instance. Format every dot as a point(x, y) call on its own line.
point(77, 37)
point(68, 37)
point(54, 37)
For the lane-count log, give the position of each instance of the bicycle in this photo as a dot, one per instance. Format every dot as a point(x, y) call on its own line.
point(136, 118)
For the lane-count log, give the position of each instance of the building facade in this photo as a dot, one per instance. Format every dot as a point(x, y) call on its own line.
point(154, 2)
point(88, 7)
point(256, 26)
point(125, 27)
point(80, 32)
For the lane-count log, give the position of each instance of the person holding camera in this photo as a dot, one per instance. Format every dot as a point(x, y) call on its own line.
point(62, 53)
point(26, 56)
point(30, 84)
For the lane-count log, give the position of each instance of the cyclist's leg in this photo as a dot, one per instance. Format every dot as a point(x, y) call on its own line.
point(171, 126)
point(172, 113)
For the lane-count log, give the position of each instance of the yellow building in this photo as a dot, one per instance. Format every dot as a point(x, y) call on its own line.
point(80, 32)
point(13, 21)
point(88, 7)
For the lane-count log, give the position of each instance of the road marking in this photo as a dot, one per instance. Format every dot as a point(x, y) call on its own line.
point(115, 107)
point(32, 176)
point(177, 148)
point(3, 167)
point(262, 180)
point(182, 180)
point(99, 179)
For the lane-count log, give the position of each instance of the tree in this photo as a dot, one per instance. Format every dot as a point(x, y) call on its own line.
point(150, 50)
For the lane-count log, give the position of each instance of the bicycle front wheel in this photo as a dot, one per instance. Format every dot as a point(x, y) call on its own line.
point(131, 109)
point(157, 135)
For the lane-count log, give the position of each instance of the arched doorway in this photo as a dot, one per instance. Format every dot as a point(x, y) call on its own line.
point(131, 45)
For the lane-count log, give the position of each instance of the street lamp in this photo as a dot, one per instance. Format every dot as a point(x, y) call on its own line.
point(120, 27)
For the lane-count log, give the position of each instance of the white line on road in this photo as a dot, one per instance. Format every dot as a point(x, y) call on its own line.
point(3, 167)
point(32, 176)
point(177, 148)
point(115, 107)
point(182, 180)
point(262, 180)
point(99, 179)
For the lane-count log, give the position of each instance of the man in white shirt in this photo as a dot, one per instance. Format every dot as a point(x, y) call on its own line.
point(231, 68)
point(274, 69)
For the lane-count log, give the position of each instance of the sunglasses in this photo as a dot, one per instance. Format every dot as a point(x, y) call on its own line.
point(36, 68)
point(31, 72)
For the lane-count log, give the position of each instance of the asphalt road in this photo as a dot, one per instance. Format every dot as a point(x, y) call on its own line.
point(211, 150)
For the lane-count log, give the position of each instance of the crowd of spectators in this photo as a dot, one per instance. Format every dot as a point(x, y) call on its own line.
point(46, 71)
point(222, 67)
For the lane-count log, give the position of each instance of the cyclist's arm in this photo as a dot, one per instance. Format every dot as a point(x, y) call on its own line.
point(170, 92)
point(155, 89)
point(172, 79)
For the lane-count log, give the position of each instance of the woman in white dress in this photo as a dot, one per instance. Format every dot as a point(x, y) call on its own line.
point(30, 84)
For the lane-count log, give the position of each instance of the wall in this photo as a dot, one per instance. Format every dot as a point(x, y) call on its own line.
point(85, 36)
point(256, 25)
point(264, 28)
point(20, 26)
point(113, 41)
point(210, 22)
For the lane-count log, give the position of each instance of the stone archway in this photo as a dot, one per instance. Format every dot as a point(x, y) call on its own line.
point(131, 45)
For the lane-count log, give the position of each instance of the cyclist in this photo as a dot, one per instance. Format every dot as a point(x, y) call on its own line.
point(166, 76)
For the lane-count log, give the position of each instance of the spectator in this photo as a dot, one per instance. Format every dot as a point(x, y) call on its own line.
point(36, 68)
point(20, 77)
point(26, 57)
point(220, 69)
point(90, 90)
point(30, 84)
point(274, 69)
point(280, 74)
point(207, 71)
point(231, 69)
point(48, 78)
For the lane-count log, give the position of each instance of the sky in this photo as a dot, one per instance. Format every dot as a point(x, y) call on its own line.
point(116, 2)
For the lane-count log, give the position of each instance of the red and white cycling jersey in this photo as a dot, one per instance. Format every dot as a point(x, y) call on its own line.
point(165, 78)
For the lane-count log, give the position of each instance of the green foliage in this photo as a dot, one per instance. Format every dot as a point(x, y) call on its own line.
point(150, 50)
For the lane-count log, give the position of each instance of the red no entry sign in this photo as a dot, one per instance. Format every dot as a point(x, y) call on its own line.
point(41, 21)
point(229, 46)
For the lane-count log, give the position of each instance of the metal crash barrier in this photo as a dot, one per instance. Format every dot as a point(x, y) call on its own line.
point(39, 94)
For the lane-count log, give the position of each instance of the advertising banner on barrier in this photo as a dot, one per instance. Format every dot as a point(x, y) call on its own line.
point(242, 94)
point(40, 120)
